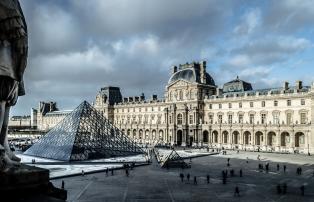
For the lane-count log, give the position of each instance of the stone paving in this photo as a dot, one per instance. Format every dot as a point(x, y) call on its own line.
point(151, 183)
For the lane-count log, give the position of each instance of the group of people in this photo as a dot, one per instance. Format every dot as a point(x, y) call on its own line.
point(188, 176)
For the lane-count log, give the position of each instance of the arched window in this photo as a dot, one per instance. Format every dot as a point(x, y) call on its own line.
point(179, 119)
point(181, 95)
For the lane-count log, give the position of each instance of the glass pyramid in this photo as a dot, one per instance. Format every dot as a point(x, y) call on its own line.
point(174, 160)
point(84, 134)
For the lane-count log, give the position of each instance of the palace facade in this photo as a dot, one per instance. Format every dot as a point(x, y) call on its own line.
point(194, 111)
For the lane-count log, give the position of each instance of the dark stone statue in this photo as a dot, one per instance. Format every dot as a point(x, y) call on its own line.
point(13, 59)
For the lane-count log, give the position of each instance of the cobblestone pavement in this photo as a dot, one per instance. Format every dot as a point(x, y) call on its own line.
point(151, 183)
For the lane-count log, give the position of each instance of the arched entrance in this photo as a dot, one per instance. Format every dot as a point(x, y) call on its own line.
point(235, 137)
point(299, 139)
point(161, 135)
point(191, 141)
point(285, 139)
point(205, 136)
point(258, 138)
point(215, 136)
point(247, 137)
point(271, 138)
point(179, 137)
point(225, 137)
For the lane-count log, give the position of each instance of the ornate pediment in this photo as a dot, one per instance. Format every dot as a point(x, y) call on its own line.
point(179, 83)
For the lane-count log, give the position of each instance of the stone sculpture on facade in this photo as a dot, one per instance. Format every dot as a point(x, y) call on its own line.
point(13, 59)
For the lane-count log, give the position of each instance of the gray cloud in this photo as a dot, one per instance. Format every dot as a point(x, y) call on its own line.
point(78, 46)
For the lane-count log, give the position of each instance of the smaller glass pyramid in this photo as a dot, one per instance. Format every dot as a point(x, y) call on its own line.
point(174, 160)
point(84, 134)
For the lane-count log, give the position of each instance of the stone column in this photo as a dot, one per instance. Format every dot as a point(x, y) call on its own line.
point(292, 141)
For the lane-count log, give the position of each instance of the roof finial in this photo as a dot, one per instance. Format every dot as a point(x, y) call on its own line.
point(237, 77)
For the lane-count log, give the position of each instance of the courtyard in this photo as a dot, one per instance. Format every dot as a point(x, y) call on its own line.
point(151, 183)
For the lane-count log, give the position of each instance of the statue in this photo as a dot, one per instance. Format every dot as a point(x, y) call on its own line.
point(13, 59)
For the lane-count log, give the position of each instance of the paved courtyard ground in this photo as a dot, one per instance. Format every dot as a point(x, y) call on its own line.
point(151, 183)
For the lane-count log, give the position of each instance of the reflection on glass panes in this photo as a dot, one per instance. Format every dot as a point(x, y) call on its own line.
point(83, 135)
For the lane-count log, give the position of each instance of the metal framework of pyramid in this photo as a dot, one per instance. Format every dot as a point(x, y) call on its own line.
point(84, 134)
point(174, 160)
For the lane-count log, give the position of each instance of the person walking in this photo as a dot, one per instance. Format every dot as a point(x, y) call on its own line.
point(188, 176)
point(284, 168)
point(62, 185)
point(284, 188)
point(277, 167)
point(181, 176)
point(241, 173)
point(112, 171)
point(195, 181)
point(278, 189)
point(208, 178)
point(302, 188)
point(236, 191)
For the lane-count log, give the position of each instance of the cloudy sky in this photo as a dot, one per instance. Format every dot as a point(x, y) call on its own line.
point(78, 46)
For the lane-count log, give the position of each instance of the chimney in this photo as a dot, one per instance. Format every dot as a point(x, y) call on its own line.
point(286, 85)
point(298, 85)
point(136, 98)
point(174, 69)
point(130, 99)
point(154, 97)
point(203, 71)
point(142, 97)
point(218, 92)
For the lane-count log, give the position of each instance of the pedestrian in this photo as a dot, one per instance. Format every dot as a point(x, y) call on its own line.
point(62, 185)
point(224, 180)
point(188, 176)
point(278, 189)
point(236, 191)
point(240, 172)
point(232, 173)
point(238, 151)
point(195, 181)
point(284, 168)
point(208, 178)
point(181, 176)
point(267, 167)
point(112, 171)
point(302, 190)
point(83, 173)
point(300, 171)
point(107, 170)
point(277, 167)
point(127, 172)
point(284, 188)
point(247, 159)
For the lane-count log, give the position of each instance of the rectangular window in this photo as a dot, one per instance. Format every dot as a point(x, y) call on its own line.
point(210, 106)
point(220, 106)
point(219, 118)
point(303, 118)
point(263, 118)
point(210, 119)
point(275, 103)
point(276, 118)
point(263, 104)
point(240, 104)
point(251, 118)
point(230, 105)
point(230, 119)
point(302, 102)
point(240, 118)
point(251, 104)
point(191, 119)
point(289, 118)
point(288, 102)
point(170, 119)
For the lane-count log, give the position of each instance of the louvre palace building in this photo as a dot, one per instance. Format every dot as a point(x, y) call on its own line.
point(196, 112)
